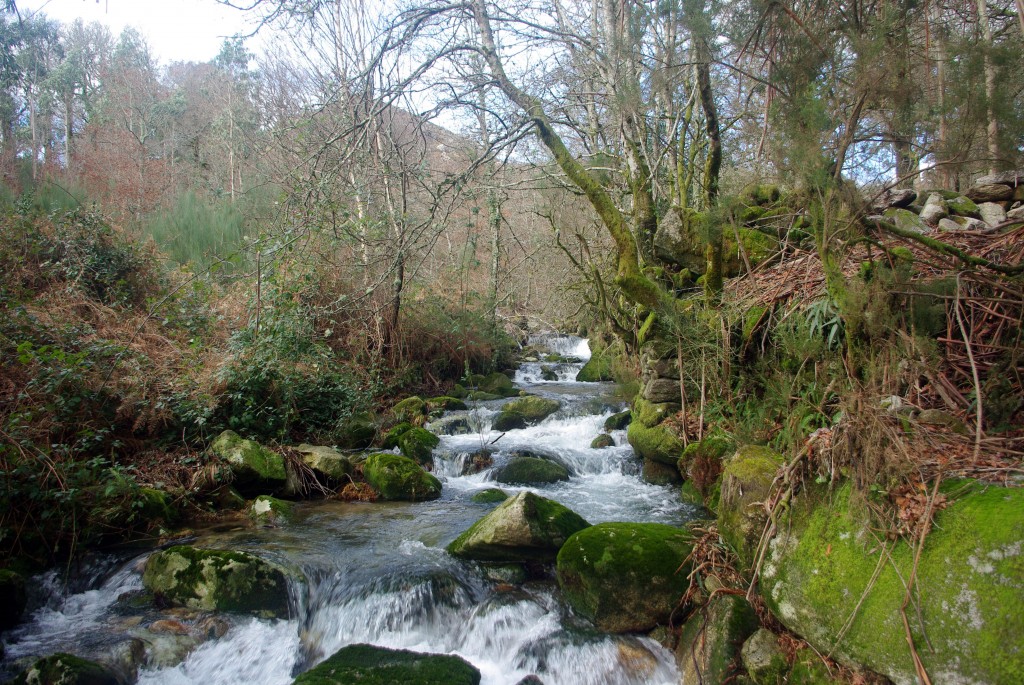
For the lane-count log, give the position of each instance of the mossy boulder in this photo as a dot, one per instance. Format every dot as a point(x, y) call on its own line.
point(962, 206)
point(623, 576)
point(267, 510)
point(808, 669)
point(326, 462)
point(508, 421)
point(601, 441)
point(757, 246)
point(12, 596)
point(370, 665)
point(701, 462)
point(746, 482)
point(619, 421)
point(907, 220)
point(969, 590)
point(526, 527)
point(711, 638)
point(490, 496)
point(412, 410)
point(65, 669)
point(495, 383)
point(253, 466)
point(445, 403)
point(656, 443)
point(532, 408)
point(481, 396)
point(418, 444)
point(650, 414)
point(764, 660)
point(530, 471)
point(217, 580)
point(390, 440)
point(358, 432)
point(548, 374)
point(396, 477)
point(598, 368)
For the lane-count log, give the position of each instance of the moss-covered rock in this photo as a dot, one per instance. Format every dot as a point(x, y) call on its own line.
point(764, 660)
point(506, 421)
point(396, 477)
point(418, 444)
point(657, 443)
point(962, 206)
point(370, 665)
point(12, 596)
point(411, 410)
point(623, 576)
point(532, 408)
point(757, 246)
point(746, 482)
point(617, 422)
point(390, 440)
point(495, 383)
point(907, 220)
point(267, 510)
point(65, 669)
point(445, 403)
point(358, 432)
point(701, 462)
point(253, 466)
point(711, 638)
point(601, 441)
point(481, 396)
point(598, 368)
point(490, 496)
point(969, 586)
point(548, 374)
point(326, 462)
point(217, 580)
point(650, 414)
point(808, 669)
point(689, 494)
point(530, 471)
point(526, 527)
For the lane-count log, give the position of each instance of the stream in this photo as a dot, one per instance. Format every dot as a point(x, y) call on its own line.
point(378, 572)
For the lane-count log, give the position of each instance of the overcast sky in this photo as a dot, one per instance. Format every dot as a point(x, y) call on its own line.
point(176, 30)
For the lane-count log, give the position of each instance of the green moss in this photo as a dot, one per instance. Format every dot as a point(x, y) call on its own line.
point(358, 432)
point(646, 328)
point(396, 477)
point(530, 471)
point(508, 421)
point(250, 462)
point(495, 383)
point(534, 409)
point(410, 410)
point(418, 444)
point(970, 587)
point(658, 473)
point(618, 421)
point(808, 669)
point(962, 206)
point(598, 368)
point(601, 441)
point(764, 660)
point(650, 414)
point(490, 496)
point(270, 510)
point(157, 505)
point(480, 396)
point(746, 482)
point(370, 665)
point(690, 494)
point(752, 321)
point(217, 580)
point(65, 669)
point(623, 576)
point(710, 640)
point(445, 403)
point(657, 443)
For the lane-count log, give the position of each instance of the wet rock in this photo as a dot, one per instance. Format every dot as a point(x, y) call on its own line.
point(657, 473)
point(602, 441)
point(530, 471)
point(217, 580)
point(532, 408)
point(124, 659)
point(969, 577)
point(496, 384)
point(618, 421)
point(990, 192)
point(711, 638)
point(598, 368)
point(478, 461)
point(418, 444)
point(326, 462)
point(270, 511)
point(531, 680)
point(445, 403)
point(746, 482)
point(526, 527)
point(12, 598)
point(656, 443)
point(548, 374)
point(253, 466)
point(504, 574)
point(623, 576)
point(508, 421)
point(65, 669)
point(396, 477)
point(369, 664)
point(764, 660)
point(490, 496)
point(457, 424)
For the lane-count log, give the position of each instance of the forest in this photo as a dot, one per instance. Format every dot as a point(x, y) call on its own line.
point(792, 232)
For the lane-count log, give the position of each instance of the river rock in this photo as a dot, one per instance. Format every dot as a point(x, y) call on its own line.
point(418, 444)
point(601, 441)
point(456, 424)
point(254, 467)
point(711, 638)
point(623, 576)
point(217, 580)
point(548, 374)
point(618, 421)
point(495, 384)
point(530, 471)
point(12, 596)
point(532, 408)
point(358, 432)
point(702, 461)
point(490, 496)
point(992, 214)
point(969, 589)
point(445, 403)
point(658, 473)
point(746, 482)
point(527, 527)
point(390, 439)
point(371, 665)
point(508, 421)
point(412, 410)
point(657, 443)
point(65, 669)
point(326, 462)
point(990, 192)
point(598, 368)
point(396, 477)
point(764, 660)
point(270, 511)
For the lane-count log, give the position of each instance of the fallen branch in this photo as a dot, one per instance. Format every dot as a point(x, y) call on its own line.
point(946, 248)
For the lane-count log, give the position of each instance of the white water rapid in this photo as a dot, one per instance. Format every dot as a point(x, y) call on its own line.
point(379, 573)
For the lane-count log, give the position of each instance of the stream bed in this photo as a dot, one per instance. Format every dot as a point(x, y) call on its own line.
point(378, 572)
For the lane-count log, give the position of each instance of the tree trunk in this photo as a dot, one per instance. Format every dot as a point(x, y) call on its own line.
point(992, 130)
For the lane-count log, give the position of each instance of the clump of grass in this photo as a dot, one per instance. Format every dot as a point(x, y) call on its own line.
point(197, 232)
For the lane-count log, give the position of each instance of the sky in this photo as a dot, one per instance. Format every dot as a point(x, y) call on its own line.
point(176, 30)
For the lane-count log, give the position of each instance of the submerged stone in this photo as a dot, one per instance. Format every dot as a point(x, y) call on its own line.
point(370, 665)
point(625, 577)
point(526, 527)
point(65, 669)
point(217, 580)
point(395, 477)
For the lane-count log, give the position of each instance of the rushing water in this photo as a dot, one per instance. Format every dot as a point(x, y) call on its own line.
point(378, 573)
